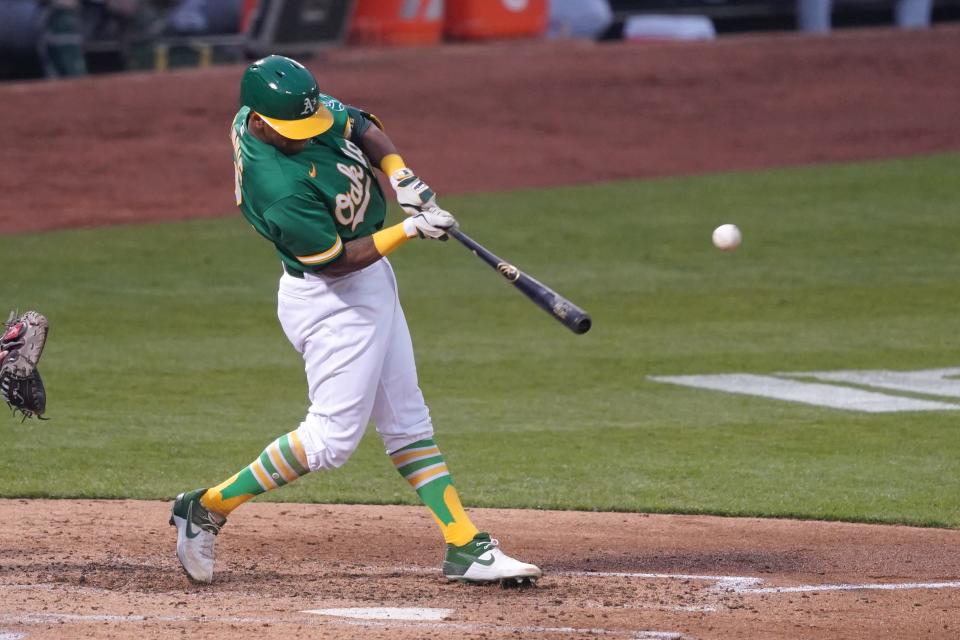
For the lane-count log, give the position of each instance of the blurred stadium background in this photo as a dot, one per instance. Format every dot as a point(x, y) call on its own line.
point(54, 38)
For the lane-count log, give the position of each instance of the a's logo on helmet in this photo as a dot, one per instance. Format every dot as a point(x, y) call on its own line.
point(508, 271)
point(308, 107)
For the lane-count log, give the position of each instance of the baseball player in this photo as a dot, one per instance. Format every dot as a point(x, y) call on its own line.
point(304, 165)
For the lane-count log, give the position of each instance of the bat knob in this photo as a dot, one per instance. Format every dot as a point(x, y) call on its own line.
point(582, 325)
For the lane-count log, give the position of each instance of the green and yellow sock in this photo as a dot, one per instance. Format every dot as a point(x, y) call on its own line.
point(282, 462)
point(422, 464)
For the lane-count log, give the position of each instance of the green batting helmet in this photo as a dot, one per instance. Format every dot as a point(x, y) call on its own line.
point(286, 96)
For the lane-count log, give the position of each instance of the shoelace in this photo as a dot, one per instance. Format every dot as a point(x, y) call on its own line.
point(208, 521)
point(213, 523)
point(487, 546)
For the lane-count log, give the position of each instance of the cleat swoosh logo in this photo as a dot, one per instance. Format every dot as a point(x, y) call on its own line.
point(190, 532)
point(468, 557)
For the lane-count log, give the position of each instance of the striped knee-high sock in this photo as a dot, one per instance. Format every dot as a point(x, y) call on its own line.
point(282, 462)
point(422, 464)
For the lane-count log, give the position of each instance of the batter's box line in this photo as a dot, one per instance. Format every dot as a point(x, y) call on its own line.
point(876, 586)
point(745, 585)
point(47, 618)
point(748, 585)
point(522, 630)
point(721, 583)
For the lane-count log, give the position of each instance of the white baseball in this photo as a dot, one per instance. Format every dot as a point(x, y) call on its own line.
point(727, 237)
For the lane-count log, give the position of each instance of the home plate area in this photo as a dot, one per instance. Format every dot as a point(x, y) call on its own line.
point(106, 569)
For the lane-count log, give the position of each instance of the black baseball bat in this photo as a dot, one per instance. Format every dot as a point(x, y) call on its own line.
point(569, 314)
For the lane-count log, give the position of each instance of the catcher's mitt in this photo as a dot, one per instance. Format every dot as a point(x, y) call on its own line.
point(21, 346)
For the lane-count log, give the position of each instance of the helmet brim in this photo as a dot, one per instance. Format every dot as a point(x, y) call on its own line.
point(302, 129)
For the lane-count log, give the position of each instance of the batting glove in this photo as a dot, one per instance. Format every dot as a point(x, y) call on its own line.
point(432, 223)
point(413, 194)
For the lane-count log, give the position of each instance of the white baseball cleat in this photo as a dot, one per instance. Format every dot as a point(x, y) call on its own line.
point(197, 531)
point(480, 560)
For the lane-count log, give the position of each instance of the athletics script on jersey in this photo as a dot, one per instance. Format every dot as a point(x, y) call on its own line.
point(849, 390)
point(352, 204)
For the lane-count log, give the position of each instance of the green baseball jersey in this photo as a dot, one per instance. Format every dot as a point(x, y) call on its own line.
point(307, 204)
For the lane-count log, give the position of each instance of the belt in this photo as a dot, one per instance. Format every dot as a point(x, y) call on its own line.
point(291, 271)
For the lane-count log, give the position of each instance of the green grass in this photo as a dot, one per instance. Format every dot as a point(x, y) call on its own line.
point(167, 370)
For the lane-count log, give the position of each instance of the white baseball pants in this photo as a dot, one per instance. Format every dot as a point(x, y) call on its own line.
point(359, 362)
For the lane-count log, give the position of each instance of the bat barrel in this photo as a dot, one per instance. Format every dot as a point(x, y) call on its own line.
point(567, 313)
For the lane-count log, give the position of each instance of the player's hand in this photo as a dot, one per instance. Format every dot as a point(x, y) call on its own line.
point(432, 223)
point(413, 194)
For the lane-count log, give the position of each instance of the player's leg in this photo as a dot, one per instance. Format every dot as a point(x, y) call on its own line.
point(341, 381)
point(403, 422)
point(343, 357)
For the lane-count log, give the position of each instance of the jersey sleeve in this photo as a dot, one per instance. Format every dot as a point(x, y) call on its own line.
point(304, 230)
point(341, 119)
point(358, 123)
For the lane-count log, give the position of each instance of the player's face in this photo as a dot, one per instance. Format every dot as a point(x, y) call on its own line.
point(267, 134)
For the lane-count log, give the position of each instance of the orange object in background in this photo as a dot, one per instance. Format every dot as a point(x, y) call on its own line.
point(397, 22)
point(247, 10)
point(490, 19)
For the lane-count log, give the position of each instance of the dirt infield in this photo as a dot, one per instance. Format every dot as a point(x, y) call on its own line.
point(106, 569)
point(473, 118)
point(154, 147)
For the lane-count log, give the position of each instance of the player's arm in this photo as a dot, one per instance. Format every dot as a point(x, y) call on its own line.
point(364, 251)
point(310, 237)
point(413, 194)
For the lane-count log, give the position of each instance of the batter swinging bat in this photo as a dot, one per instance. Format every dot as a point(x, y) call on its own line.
point(572, 316)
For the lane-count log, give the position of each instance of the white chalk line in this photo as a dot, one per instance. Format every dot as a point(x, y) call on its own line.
point(57, 586)
point(385, 613)
point(735, 584)
point(49, 618)
point(726, 583)
point(878, 586)
point(747, 585)
point(691, 608)
point(488, 626)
